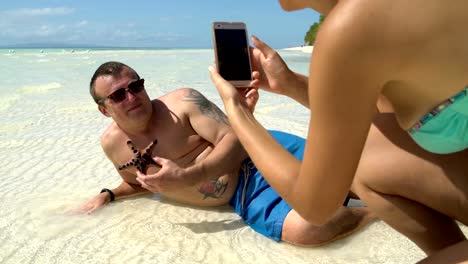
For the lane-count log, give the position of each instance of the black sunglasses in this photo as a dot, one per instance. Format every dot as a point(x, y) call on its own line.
point(120, 94)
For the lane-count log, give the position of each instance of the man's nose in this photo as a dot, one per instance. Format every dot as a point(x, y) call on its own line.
point(130, 95)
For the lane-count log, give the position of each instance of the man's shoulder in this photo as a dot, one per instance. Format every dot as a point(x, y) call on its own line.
point(110, 135)
point(179, 94)
point(183, 100)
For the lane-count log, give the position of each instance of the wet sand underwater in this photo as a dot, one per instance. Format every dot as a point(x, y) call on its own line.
point(52, 162)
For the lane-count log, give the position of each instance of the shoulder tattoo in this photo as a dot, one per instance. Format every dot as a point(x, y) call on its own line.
point(206, 107)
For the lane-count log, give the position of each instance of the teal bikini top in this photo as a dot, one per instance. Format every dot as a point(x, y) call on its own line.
point(444, 129)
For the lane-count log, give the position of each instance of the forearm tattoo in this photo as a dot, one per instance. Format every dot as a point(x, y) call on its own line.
point(212, 189)
point(206, 107)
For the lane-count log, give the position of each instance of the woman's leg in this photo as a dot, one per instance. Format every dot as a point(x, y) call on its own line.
point(416, 192)
point(457, 253)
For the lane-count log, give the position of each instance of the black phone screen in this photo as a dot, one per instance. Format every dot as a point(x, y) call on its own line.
point(233, 54)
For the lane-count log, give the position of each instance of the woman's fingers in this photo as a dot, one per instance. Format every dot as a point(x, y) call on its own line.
point(225, 89)
point(251, 99)
point(266, 50)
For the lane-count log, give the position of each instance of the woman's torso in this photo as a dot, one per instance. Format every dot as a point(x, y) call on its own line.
point(427, 44)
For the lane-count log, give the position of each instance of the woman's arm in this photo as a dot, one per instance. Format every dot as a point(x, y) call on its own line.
point(343, 92)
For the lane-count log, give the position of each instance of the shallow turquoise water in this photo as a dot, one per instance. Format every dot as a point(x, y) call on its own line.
point(52, 162)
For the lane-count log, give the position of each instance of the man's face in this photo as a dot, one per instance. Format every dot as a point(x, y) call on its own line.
point(136, 107)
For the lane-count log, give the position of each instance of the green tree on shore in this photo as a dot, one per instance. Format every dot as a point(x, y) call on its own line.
point(309, 38)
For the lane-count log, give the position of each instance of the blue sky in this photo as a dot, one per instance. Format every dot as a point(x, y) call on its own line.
point(146, 23)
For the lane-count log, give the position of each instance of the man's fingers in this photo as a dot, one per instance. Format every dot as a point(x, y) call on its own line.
point(159, 160)
point(140, 175)
point(75, 211)
point(140, 179)
point(90, 210)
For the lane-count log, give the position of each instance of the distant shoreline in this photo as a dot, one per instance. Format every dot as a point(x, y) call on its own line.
point(305, 49)
point(95, 48)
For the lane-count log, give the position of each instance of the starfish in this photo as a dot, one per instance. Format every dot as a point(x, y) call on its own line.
point(141, 161)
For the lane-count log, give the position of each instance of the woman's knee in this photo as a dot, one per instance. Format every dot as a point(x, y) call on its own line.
point(368, 178)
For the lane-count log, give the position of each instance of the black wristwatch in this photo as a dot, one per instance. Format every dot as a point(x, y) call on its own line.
point(111, 194)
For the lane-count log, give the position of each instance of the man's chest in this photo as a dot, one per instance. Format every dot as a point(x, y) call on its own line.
point(177, 145)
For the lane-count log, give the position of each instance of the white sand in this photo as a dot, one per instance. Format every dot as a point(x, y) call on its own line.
point(52, 162)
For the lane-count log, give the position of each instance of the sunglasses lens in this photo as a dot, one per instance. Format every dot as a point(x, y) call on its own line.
point(137, 86)
point(118, 96)
point(134, 87)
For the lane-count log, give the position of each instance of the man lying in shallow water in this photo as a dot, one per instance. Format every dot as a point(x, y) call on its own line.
point(194, 146)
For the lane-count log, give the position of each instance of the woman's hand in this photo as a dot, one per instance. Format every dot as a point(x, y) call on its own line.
point(240, 97)
point(270, 72)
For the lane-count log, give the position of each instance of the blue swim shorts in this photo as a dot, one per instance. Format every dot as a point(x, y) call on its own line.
point(255, 200)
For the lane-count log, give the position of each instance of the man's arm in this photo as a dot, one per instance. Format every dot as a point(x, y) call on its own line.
point(211, 123)
point(125, 189)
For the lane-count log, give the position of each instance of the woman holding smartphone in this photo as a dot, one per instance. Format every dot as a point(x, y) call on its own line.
point(415, 55)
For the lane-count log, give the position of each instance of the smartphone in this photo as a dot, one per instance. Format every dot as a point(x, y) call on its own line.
point(232, 54)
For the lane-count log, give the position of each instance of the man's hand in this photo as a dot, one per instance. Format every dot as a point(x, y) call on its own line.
point(170, 177)
point(97, 202)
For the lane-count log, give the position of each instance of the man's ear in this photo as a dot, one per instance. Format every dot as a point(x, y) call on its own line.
point(103, 110)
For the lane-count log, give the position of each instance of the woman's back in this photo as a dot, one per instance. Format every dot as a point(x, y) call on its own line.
point(422, 49)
